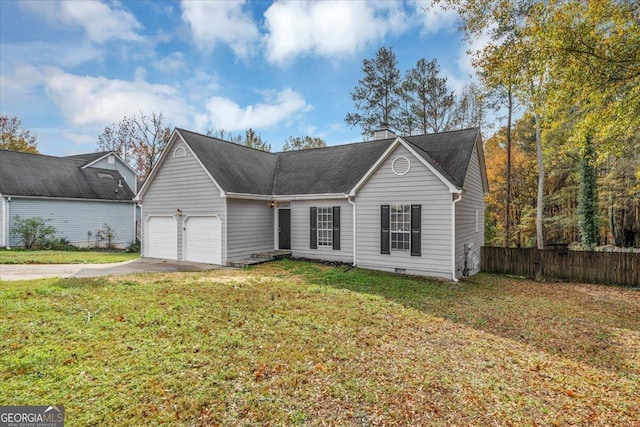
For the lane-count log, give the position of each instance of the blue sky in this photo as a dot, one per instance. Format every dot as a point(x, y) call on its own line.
point(70, 68)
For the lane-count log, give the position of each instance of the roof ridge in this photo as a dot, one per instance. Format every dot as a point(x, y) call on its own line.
point(67, 159)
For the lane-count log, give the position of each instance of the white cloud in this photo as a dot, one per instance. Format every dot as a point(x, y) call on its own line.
point(434, 18)
point(328, 28)
point(466, 54)
point(87, 101)
point(171, 63)
point(223, 113)
point(49, 53)
point(99, 21)
point(221, 21)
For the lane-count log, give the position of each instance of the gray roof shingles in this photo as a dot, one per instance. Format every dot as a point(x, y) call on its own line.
point(336, 169)
point(37, 175)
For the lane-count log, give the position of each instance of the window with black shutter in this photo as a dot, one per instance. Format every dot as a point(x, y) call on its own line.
point(384, 230)
point(416, 232)
point(313, 234)
point(336, 228)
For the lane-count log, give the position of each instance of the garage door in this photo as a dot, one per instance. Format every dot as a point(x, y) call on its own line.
point(162, 238)
point(203, 240)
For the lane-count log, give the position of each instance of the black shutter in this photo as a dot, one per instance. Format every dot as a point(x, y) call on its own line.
point(384, 230)
point(416, 234)
point(336, 228)
point(313, 235)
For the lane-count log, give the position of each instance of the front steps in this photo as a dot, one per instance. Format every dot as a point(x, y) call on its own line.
point(259, 258)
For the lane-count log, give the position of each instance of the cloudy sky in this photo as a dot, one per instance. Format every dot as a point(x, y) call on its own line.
point(70, 68)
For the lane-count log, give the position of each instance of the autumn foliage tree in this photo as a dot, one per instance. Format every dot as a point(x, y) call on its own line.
point(14, 138)
point(138, 139)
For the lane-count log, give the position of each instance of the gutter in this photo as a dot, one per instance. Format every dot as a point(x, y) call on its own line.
point(353, 203)
point(453, 237)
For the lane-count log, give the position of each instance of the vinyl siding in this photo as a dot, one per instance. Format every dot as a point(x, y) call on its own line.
point(72, 219)
point(472, 200)
point(418, 186)
point(249, 227)
point(182, 183)
point(129, 177)
point(300, 229)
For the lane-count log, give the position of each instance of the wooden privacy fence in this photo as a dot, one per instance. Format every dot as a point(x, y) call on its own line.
point(612, 268)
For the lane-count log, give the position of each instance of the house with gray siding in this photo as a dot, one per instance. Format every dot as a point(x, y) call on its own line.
point(410, 204)
point(77, 195)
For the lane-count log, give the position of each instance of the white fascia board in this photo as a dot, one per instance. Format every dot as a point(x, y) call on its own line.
point(222, 192)
point(288, 197)
point(172, 140)
point(483, 166)
point(399, 141)
point(154, 171)
point(375, 167)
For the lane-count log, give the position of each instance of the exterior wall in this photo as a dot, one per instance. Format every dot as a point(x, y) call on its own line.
point(129, 177)
point(249, 227)
point(182, 183)
point(73, 219)
point(468, 231)
point(300, 231)
point(418, 186)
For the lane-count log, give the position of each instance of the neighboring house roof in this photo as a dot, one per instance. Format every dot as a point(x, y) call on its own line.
point(328, 170)
point(89, 157)
point(37, 175)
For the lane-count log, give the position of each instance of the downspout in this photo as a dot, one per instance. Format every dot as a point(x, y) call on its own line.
point(453, 237)
point(350, 200)
point(7, 221)
point(4, 221)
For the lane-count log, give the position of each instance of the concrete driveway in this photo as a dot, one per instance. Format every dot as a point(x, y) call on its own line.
point(141, 265)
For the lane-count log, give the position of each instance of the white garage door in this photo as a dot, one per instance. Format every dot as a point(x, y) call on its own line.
point(203, 240)
point(162, 238)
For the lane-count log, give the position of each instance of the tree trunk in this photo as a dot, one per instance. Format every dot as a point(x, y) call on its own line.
point(540, 201)
point(507, 209)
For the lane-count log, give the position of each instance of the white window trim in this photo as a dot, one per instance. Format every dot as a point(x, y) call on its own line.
point(327, 239)
point(407, 228)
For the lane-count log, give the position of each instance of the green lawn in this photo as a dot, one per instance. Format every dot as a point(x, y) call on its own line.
point(293, 343)
point(63, 257)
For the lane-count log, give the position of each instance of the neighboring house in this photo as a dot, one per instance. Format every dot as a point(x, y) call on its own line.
point(406, 204)
point(78, 195)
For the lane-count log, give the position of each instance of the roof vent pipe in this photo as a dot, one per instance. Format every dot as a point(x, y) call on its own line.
point(384, 132)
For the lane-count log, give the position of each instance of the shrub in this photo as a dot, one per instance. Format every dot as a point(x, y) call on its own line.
point(33, 232)
point(134, 246)
point(107, 233)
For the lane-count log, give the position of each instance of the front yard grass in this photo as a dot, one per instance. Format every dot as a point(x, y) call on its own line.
point(294, 343)
point(63, 257)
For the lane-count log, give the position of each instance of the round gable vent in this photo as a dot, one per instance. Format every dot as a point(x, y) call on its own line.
point(400, 165)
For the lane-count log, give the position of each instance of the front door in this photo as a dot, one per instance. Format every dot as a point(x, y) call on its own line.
point(284, 228)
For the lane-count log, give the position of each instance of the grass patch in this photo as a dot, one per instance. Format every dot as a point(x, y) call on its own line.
point(294, 343)
point(64, 257)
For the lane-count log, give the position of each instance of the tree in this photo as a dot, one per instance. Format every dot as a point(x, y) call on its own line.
point(225, 135)
point(250, 139)
point(588, 202)
point(138, 139)
point(254, 140)
point(434, 105)
point(303, 143)
point(376, 97)
point(12, 138)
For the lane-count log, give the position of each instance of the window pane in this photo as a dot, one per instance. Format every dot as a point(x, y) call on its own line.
point(400, 224)
point(325, 226)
